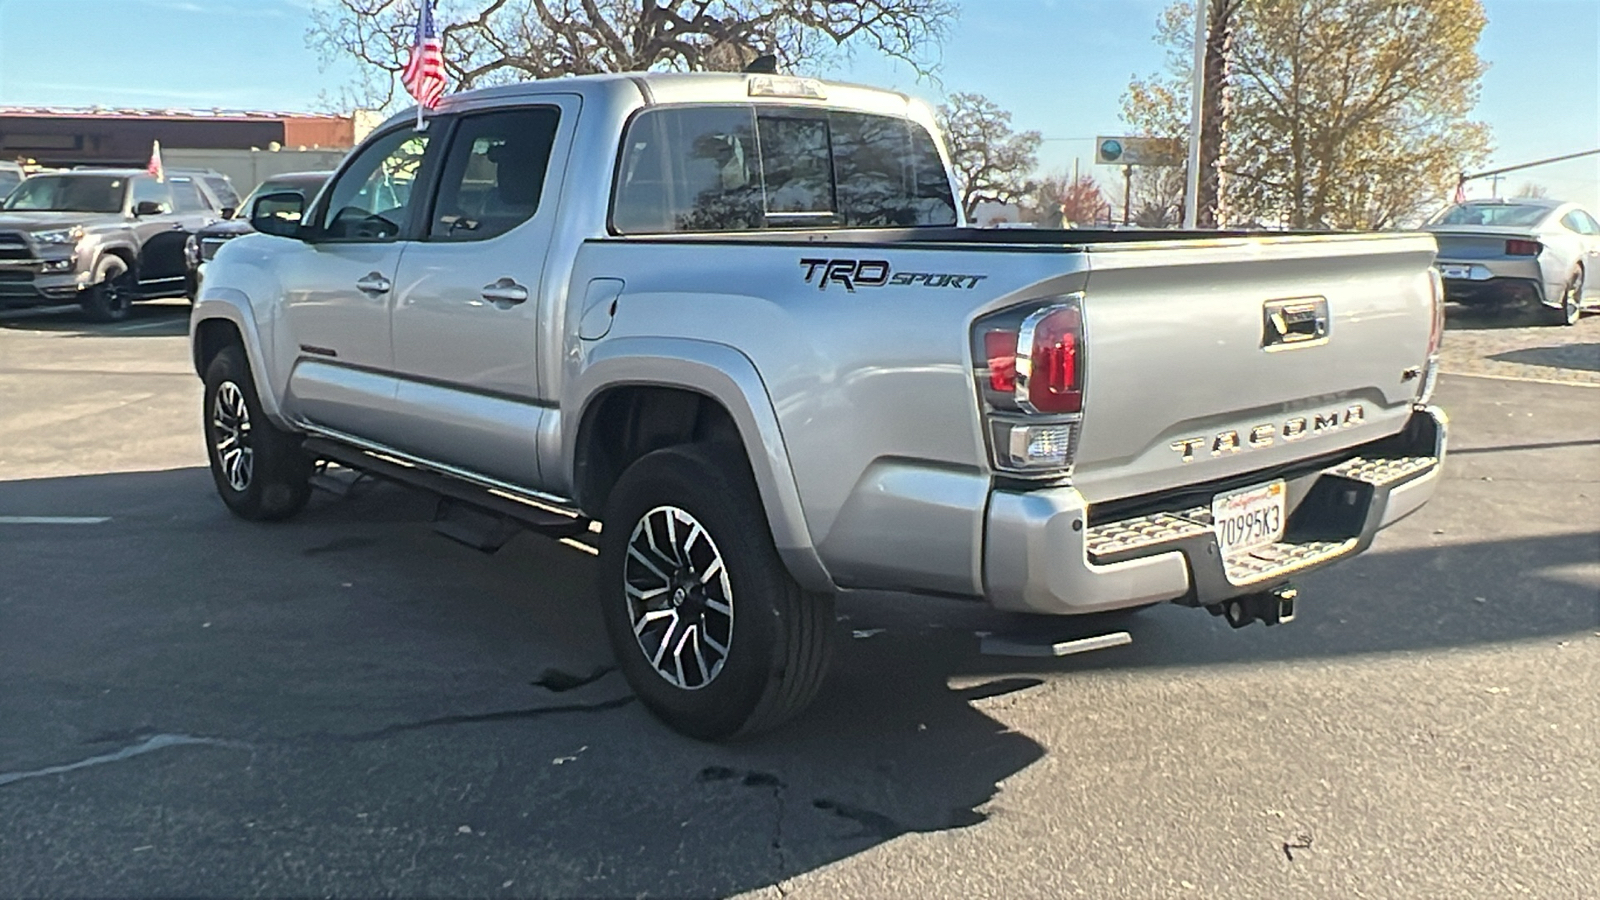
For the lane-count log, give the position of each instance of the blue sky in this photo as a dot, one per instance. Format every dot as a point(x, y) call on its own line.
point(1059, 65)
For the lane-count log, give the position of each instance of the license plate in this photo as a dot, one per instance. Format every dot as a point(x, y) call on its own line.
point(1249, 519)
point(1456, 271)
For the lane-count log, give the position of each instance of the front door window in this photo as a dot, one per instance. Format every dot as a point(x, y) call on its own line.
point(372, 198)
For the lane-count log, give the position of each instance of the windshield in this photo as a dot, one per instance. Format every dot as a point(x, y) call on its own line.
point(70, 193)
point(1518, 214)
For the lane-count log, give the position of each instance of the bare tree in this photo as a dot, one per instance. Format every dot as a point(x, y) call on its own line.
point(1532, 189)
point(488, 42)
point(1341, 113)
point(991, 161)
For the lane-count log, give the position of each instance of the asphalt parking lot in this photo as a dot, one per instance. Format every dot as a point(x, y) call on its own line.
point(350, 705)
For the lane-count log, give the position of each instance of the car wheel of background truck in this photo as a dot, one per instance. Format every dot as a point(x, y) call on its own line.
point(260, 471)
point(1571, 303)
point(709, 628)
point(111, 296)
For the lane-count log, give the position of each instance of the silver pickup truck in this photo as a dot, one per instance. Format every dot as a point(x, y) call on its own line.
point(737, 320)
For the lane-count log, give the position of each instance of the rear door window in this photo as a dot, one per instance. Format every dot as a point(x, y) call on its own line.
point(727, 168)
point(493, 174)
point(1579, 221)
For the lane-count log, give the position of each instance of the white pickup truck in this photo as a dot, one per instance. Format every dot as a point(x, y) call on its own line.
point(737, 320)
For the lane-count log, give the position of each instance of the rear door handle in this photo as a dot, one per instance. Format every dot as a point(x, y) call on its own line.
point(505, 293)
point(374, 283)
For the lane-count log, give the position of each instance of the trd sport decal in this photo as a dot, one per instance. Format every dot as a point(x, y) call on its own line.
point(854, 273)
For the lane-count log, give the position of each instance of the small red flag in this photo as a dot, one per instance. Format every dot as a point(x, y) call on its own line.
point(423, 75)
point(154, 167)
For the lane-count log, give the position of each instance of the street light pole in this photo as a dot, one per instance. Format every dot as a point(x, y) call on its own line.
point(1191, 194)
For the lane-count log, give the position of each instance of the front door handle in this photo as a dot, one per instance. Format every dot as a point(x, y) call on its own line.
point(374, 283)
point(505, 293)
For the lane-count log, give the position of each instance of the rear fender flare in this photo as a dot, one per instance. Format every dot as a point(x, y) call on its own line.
point(728, 377)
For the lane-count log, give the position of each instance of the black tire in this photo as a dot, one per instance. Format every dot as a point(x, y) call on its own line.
point(1571, 306)
point(778, 638)
point(110, 298)
point(261, 472)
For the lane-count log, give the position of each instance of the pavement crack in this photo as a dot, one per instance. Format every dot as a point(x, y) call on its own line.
point(148, 745)
point(557, 681)
point(507, 715)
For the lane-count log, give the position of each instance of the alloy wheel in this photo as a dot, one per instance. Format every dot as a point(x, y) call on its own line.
point(230, 435)
point(679, 597)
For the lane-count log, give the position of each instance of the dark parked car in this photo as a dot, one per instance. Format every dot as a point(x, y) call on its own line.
point(220, 186)
point(209, 239)
point(101, 237)
point(11, 175)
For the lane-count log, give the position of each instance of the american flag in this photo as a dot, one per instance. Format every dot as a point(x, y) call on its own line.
point(423, 75)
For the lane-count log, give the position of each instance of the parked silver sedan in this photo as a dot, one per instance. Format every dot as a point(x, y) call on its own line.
point(1520, 250)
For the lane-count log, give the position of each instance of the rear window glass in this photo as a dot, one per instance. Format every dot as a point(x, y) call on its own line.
point(731, 168)
point(188, 197)
point(1492, 214)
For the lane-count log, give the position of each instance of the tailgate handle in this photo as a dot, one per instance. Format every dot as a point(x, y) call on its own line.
point(1294, 323)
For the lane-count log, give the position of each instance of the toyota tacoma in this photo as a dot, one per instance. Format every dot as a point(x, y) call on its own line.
point(737, 321)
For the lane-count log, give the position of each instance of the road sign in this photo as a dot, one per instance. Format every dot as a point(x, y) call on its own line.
point(1138, 151)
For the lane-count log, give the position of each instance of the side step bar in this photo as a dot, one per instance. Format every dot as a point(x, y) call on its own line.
point(493, 508)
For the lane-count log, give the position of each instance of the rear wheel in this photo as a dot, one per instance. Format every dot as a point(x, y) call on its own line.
point(1571, 303)
point(709, 628)
point(110, 298)
point(260, 471)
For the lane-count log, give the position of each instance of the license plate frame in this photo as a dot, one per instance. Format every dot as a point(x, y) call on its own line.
point(1249, 519)
point(1457, 272)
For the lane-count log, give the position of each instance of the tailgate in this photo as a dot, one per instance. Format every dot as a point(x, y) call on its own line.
point(1476, 245)
point(1203, 360)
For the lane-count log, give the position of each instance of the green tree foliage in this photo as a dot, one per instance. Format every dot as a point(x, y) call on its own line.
point(488, 42)
point(1344, 113)
point(991, 161)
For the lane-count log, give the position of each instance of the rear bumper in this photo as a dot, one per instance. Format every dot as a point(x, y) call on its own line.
point(1044, 551)
point(1494, 290)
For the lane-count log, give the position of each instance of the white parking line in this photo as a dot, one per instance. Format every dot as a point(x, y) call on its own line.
point(53, 520)
point(153, 323)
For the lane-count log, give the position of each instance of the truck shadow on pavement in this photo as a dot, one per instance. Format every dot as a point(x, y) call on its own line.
point(1566, 356)
point(348, 704)
point(163, 318)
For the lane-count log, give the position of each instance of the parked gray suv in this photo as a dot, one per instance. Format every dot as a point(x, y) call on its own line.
point(102, 238)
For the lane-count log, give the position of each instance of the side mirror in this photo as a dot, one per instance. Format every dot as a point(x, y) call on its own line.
point(227, 212)
point(278, 213)
point(148, 208)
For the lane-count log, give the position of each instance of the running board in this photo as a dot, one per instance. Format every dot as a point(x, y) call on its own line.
point(497, 506)
point(1028, 645)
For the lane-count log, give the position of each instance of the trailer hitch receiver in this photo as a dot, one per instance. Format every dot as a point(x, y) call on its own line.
point(1269, 607)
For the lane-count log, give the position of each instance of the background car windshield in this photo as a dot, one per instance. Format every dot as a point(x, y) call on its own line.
point(70, 193)
point(1518, 214)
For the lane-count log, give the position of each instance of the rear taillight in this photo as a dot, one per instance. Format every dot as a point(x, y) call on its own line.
point(1436, 295)
point(1517, 247)
point(1050, 361)
point(1030, 379)
point(1000, 352)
